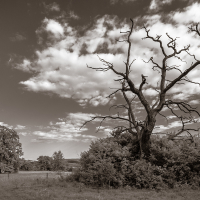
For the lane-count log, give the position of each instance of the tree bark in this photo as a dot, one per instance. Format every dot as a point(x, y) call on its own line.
point(146, 143)
point(145, 139)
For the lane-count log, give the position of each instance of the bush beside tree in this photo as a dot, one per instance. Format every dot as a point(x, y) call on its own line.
point(171, 164)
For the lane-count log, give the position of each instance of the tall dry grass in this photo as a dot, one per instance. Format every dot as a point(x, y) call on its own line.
point(37, 186)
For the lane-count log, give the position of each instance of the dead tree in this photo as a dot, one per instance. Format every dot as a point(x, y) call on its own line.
point(142, 130)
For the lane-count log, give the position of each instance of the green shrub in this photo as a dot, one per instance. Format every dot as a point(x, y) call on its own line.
point(179, 159)
point(111, 161)
point(101, 165)
point(142, 174)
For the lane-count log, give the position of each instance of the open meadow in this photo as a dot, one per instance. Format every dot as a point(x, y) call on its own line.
point(40, 186)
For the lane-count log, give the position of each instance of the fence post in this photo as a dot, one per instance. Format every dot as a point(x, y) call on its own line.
point(8, 175)
point(47, 176)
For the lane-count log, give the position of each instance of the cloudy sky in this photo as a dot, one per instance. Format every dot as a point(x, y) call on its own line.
point(47, 91)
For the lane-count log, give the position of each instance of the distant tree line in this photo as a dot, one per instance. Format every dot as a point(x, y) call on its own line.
point(56, 162)
point(11, 153)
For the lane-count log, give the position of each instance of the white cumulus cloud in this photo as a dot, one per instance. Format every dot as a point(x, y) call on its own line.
point(60, 66)
point(66, 129)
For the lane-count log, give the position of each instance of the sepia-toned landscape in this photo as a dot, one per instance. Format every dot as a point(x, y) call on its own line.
point(100, 99)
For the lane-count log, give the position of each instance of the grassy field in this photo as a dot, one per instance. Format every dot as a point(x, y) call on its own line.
point(39, 186)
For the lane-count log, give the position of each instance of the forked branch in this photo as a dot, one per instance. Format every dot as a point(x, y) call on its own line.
point(195, 28)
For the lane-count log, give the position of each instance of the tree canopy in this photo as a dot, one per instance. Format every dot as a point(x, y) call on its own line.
point(57, 160)
point(45, 162)
point(10, 147)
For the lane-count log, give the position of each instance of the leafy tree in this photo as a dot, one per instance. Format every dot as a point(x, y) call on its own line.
point(141, 130)
point(58, 161)
point(45, 163)
point(27, 165)
point(10, 147)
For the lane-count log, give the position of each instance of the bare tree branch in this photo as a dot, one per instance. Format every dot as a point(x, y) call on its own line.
point(129, 49)
point(143, 82)
point(157, 39)
point(195, 29)
point(181, 76)
point(130, 111)
point(142, 129)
